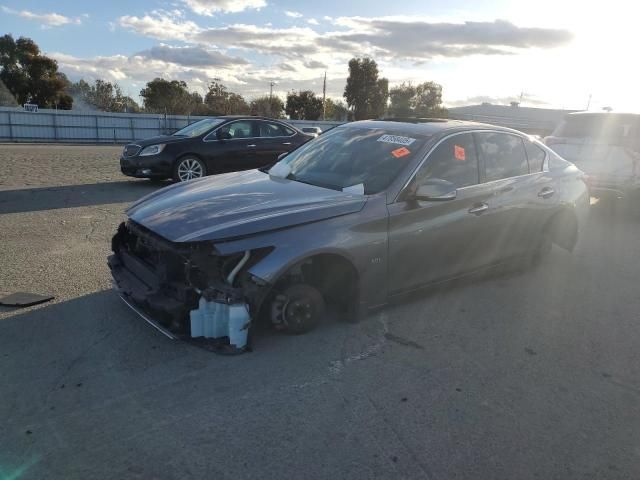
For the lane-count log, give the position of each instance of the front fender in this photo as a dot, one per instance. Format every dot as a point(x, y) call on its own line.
point(359, 239)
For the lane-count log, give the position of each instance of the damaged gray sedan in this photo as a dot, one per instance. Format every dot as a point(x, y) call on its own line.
point(366, 212)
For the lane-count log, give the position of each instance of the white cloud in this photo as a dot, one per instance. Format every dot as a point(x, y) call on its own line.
point(410, 39)
point(314, 64)
point(45, 19)
point(313, 21)
point(209, 7)
point(419, 39)
point(387, 38)
point(291, 14)
point(191, 56)
point(405, 48)
point(192, 67)
point(160, 24)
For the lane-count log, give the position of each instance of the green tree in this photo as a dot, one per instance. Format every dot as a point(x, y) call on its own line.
point(169, 96)
point(365, 93)
point(103, 95)
point(423, 100)
point(6, 97)
point(303, 105)
point(29, 76)
point(336, 110)
point(220, 101)
point(402, 98)
point(267, 106)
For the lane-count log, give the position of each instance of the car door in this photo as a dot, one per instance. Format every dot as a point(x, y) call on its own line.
point(435, 240)
point(236, 151)
point(275, 139)
point(516, 216)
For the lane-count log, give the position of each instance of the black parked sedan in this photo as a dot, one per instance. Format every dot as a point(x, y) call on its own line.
point(210, 146)
point(364, 213)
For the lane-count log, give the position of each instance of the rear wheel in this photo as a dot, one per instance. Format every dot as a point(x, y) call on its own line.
point(298, 308)
point(188, 168)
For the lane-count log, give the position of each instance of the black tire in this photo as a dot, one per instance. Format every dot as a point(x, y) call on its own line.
point(188, 164)
point(303, 308)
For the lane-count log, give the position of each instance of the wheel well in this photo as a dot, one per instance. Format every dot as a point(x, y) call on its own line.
point(332, 274)
point(184, 155)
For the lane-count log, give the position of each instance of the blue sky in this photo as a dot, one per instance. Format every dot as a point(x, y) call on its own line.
point(549, 53)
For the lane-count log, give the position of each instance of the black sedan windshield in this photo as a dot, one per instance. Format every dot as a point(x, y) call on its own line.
point(359, 160)
point(198, 128)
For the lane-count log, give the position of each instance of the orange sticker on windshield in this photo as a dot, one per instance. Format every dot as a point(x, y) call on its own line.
point(401, 152)
point(459, 153)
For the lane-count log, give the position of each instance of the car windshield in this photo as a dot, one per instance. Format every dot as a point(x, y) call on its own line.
point(362, 160)
point(198, 128)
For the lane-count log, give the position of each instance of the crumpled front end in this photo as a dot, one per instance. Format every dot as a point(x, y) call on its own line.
point(187, 290)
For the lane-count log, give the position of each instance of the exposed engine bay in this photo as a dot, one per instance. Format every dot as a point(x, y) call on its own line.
point(188, 290)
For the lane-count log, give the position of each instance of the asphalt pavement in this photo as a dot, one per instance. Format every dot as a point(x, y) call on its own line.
point(514, 375)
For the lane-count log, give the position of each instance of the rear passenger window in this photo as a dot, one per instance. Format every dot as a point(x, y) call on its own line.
point(503, 155)
point(454, 160)
point(535, 155)
point(269, 129)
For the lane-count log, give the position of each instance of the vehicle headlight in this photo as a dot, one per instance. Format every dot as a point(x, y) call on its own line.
point(152, 150)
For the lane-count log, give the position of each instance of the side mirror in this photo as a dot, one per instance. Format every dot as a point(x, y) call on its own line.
point(223, 135)
point(435, 189)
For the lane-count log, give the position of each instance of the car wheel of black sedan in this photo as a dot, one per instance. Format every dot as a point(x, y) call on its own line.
point(188, 168)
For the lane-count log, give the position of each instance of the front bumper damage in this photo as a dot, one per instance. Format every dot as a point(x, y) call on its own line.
point(187, 291)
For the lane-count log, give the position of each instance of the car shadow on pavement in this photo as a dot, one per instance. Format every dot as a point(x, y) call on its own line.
point(71, 196)
point(99, 325)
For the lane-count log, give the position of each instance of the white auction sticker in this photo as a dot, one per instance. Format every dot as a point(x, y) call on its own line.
point(398, 140)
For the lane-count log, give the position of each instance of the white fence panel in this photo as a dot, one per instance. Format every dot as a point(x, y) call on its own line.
point(64, 126)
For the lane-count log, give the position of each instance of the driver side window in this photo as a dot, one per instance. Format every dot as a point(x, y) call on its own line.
point(454, 160)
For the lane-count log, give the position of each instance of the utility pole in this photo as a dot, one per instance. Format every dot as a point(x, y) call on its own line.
point(324, 96)
point(271, 84)
point(589, 102)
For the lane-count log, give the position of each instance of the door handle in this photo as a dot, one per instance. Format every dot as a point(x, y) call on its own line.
point(251, 146)
point(287, 143)
point(546, 192)
point(479, 208)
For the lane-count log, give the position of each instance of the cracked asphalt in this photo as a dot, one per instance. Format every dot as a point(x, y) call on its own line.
point(529, 375)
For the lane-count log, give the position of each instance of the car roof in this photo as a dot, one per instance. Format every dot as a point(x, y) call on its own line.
point(248, 117)
point(428, 127)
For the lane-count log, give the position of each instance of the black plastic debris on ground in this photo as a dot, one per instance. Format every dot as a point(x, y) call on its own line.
point(24, 299)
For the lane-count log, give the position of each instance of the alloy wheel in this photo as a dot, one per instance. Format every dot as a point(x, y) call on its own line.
point(190, 168)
